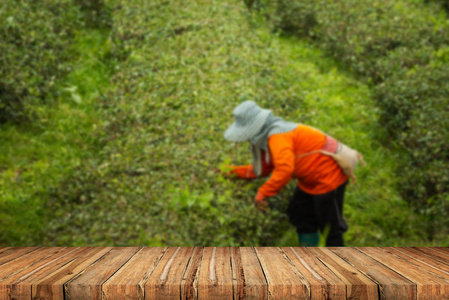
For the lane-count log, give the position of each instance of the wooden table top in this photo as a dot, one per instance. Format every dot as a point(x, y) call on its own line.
point(223, 273)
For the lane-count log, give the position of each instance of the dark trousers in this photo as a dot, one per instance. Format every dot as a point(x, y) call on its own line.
point(312, 213)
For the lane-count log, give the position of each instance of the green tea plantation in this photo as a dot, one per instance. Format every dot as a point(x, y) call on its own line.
point(115, 141)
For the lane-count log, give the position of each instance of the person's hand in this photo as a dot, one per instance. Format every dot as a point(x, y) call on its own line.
point(260, 202)
point(261, 205)
point(225, 172)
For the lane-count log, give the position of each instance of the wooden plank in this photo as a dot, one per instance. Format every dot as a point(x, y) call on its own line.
point(52, 285)
point(87, 285)
point(358, 286)
point(26, 261)
point(224, 273)
point(2, 249)
point(215, 274)
point(283, 278)
point(21, 283)
point(437, 255)
point(424, 259)
point(12, 253)
point(391, 284)
point(429, 284)
point(129, 281)
point(323, 283)
point(248, 278)
point(165, 281)
point(442, 251)
point(437, 268)
point(188, 288)
point(17, 270)
point(238, 281)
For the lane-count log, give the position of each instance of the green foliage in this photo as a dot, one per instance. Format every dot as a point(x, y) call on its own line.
point(416, 107)
point(35, 36)
point(36, 158)
point(297, 17)
point(360, 33)
point(36, 49)
point(400, 47)
point(443, 3)
point(163, 126)
point(131, 160)
point(96, 13)
point(104, 209)
point(164, 115)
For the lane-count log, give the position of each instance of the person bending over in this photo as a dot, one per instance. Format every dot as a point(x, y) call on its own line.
point(284, 150)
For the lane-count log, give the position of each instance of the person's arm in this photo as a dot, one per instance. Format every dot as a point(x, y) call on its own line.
point(244, 172)
point(247, 172)
point(283, 159)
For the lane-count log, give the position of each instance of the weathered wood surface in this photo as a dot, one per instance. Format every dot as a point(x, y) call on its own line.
point(224, 273)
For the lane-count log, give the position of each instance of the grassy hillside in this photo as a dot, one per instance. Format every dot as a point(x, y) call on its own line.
point(129, 160)
point(401, 48)
point(37, 156)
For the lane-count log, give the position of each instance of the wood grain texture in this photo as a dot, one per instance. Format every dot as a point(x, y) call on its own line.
point(189, 288)
point(283, 278)
point(215, 274)
point(11, 253)
point(323, 283)
point(391, 285)
point(437, 255)
point(87, 285)
point(429, 284)
point(441, 249)
point(423, 260)
point(165, 281)
point(51, 285)
point(21, 264)
point(224, 273)
point(17, 270)
point(358, 286)
point(21, 286)
point(129, 281)
point(248, 277)
point(238, 277)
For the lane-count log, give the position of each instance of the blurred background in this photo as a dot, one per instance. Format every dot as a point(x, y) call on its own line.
point(112, 115)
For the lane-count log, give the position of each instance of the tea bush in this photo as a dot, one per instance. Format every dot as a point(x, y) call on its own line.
point(95, 13)
point(36, 157)
point(36, 49)
point(400, 48)
point(360, 33)
point(169, 103)
point(130, 161)
point(416, 110)
point(443, 3)
point(182, 70)
point(35, 37)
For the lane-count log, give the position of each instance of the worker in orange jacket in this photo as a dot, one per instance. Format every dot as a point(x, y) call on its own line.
point(288, 150)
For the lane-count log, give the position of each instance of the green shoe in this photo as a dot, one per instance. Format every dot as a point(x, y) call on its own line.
point(309, 239)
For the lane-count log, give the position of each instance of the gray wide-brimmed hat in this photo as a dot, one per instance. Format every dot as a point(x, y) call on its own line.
point(249, 119)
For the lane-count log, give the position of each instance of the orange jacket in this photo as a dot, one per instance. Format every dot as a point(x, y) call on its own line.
point(315, 173)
